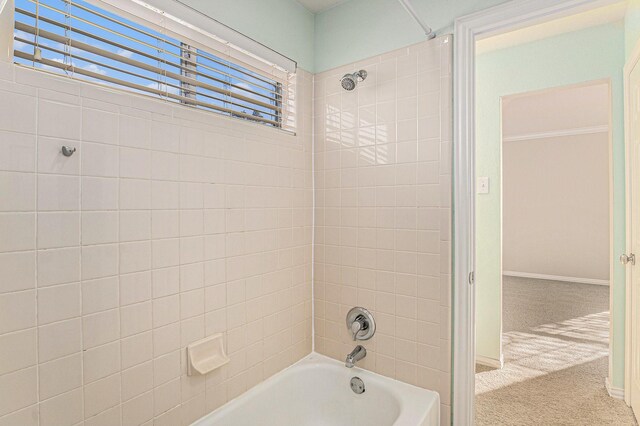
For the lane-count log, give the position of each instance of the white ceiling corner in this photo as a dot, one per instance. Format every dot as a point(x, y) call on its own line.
point(318, 6)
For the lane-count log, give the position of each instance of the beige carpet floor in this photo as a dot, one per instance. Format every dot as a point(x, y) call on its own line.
point(555, 344)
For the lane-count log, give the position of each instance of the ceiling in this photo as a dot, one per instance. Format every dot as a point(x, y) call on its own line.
point(317, 6)
point(599, 16)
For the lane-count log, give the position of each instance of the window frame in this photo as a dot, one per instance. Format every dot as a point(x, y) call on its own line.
point(154, 20)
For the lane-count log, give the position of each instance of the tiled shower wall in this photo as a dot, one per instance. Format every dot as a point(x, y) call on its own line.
point(383, 209)
point(167, 225)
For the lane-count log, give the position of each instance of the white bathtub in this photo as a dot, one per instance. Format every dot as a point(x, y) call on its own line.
point(315, 391)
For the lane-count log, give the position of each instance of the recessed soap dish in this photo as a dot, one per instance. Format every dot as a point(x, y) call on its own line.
point(206, 355)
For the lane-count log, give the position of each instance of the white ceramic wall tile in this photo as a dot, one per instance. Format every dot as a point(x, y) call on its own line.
point(136, 349)
point(59, 120)
point(100, 362)
point(134, 131)
point(165, 136)
point(17, 271)
point(19, 390)
point(18, 231)
point(99, 261)
point(51, 88)
point(101, 395)
point(166, 367)
point(135, 163)
point(165, 195)
point(111, 416)
point(17, 190)
point(165, 166)
point(18, 112)
point(26, 417)
point(165, 224)
point(135, 287)
point(59, 339)
point(58, 192)
point(99, 193)
point(58, 303)
point(166, 396)
point(100, 160)
point(135, 318)
point(114, 259)
point(20, 152)
point(137, 380)
point(17, 311)
point(99, 126)
point(139, 410)
point(100, 295)
point(166, 310)
point(166, 253)
point(135, 256)
point(17, 350)
point(59, 376)
point(135, 194)
point(381, 241)
point(100, 328)
point(58, 229)
point(62, 409)
point(99, 227)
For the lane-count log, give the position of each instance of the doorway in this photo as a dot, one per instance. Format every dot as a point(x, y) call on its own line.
point(555, 227)
point(468, 262)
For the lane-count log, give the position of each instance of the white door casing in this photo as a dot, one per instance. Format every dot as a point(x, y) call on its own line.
point(632, 199)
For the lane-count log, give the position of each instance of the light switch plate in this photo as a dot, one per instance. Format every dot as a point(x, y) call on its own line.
point(482, 185)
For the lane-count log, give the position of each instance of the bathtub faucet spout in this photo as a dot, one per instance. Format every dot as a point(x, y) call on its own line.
point(356, 355)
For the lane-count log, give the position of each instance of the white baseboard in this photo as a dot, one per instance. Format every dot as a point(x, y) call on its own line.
point(556, 278)
point(617, 393)
point(490, 362)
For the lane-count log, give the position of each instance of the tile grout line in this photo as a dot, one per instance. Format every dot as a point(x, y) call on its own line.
point(37, 138)
point(80, 214)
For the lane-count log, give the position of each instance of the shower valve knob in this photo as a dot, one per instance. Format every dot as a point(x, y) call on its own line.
point(360, 324)
point(357, 326)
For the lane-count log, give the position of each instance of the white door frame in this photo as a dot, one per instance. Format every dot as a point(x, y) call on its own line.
point(628, 67)
point(509, 16)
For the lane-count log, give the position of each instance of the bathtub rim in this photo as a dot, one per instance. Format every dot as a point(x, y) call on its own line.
point(411, 408)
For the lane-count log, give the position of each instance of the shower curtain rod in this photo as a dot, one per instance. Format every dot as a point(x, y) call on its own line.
point(409, 8)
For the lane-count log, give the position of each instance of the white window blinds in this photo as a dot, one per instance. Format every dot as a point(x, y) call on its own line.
point(76, 38)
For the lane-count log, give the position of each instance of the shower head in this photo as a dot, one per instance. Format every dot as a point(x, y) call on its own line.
point(350, 81)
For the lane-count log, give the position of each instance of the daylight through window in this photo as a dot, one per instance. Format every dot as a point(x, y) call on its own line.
point(75, 38)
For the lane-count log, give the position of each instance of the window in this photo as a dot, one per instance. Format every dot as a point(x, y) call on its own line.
point(75, 38)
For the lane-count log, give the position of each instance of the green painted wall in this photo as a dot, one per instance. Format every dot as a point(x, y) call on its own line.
point(359, 29)
point(632, 26)
point(586, 55)
point(283, 25)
